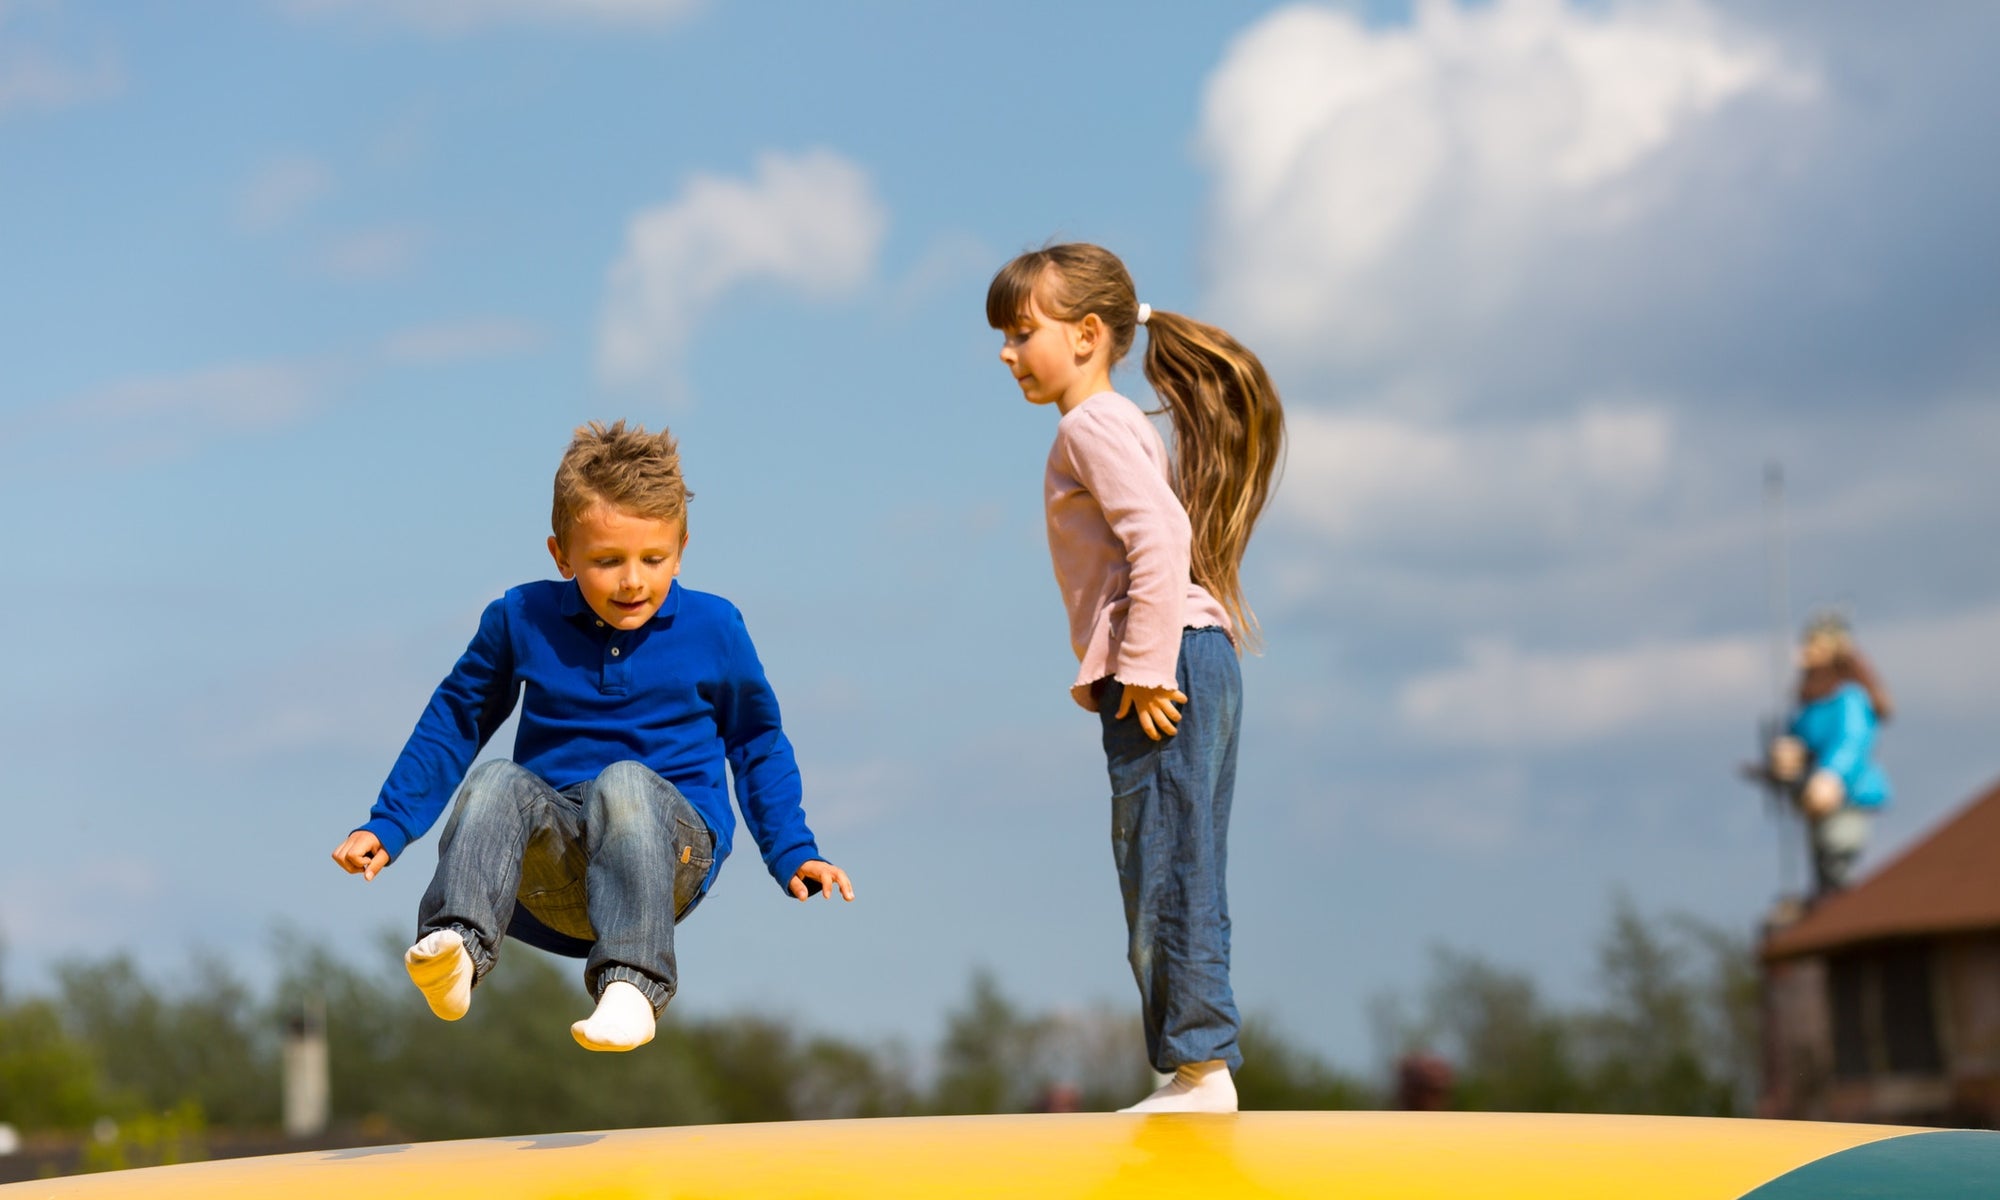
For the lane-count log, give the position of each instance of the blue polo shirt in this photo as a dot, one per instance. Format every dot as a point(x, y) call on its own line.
point(683, 694)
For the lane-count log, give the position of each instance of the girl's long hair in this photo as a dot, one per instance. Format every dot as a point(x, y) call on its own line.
point(1844, 665)
point(1229, 426)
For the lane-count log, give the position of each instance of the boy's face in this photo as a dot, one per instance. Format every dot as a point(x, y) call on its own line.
point(623, 563)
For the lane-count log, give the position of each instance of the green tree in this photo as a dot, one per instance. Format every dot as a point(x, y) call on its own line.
point(510, 1066)
point(150, 1140)
point(986, 1062)
point(208, 1041)
point(1672, 1030)
point(1649, 1046)
point(1280, 1074)
point(997, 1058)
point(834, 1079)
point(48, 1079)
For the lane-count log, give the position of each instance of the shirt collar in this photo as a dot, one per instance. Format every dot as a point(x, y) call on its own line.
point(574, 608)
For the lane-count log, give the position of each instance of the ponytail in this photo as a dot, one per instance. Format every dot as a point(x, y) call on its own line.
point(1229, 432)
point(1229, 427)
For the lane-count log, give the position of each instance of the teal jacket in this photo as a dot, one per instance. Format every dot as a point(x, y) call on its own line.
point(1839, 732)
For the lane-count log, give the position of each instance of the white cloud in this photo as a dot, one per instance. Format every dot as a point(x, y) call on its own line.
point(1383, 478)
point(32, 79)
point(234, 396)
point(459, 16)
point(1502, 697)
point(281, 191)
point(371, 253)
point(147, 418)
point(810, 222)
point(29, 82)
point(458, 341)
point(1371, 183)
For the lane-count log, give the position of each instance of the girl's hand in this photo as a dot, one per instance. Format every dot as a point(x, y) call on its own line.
point(1157, 707)
point(829, 877)
point(1787, 759)
point(1823, 794)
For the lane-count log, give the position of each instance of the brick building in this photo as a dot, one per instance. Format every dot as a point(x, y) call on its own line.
point(1882, 1003)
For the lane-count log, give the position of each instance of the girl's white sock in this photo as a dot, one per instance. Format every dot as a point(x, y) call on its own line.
point(623, 1020)
point(1204, 1087)
point(442, 970)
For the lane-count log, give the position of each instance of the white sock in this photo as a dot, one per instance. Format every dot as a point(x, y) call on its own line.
point(442, 970)
point(623, 1020)
point(1204, 1087)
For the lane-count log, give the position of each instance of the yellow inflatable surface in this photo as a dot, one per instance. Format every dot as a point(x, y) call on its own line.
point(1352, 1156)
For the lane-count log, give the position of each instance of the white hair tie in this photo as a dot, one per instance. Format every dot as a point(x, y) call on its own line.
point(1145, 310)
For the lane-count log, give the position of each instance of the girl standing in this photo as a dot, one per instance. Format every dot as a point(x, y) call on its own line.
point(1146, 549)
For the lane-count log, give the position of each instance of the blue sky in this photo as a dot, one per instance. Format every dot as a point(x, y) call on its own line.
point(301, 298)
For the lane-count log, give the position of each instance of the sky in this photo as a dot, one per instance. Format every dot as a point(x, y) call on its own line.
point(300, 300)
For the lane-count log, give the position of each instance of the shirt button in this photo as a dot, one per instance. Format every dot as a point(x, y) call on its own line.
point(614, 652)
point(600, 624)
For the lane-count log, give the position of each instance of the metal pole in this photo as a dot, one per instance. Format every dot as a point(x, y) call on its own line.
point(1778, 582)
point(1780, 585)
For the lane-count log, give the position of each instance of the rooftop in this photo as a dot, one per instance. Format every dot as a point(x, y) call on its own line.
point(1947, 882)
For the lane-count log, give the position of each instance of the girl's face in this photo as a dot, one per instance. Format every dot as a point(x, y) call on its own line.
point(1818, 650)
point(1042, 354)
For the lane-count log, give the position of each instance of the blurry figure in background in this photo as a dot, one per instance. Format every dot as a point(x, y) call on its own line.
point(1827, 758)
point(1423, 1083)
point(1059, 1098)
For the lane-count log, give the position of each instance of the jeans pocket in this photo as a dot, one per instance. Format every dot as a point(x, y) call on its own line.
point(697, 855)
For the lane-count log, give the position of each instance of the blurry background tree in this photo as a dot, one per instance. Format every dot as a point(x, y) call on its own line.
point(48, 1079)
point(996, 1058)
point(208, 1040)
point(1671, 1029)
point(1674, 1031)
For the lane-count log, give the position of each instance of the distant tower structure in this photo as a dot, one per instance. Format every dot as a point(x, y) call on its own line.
point(306, 1108)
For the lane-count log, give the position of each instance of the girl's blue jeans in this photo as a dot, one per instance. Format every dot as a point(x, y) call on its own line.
point(614, 861)
point(1170, 803)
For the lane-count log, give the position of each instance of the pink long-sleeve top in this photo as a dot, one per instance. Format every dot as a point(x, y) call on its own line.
point(1122, 547)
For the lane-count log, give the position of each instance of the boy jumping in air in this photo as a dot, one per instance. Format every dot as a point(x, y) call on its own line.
point(611, 820)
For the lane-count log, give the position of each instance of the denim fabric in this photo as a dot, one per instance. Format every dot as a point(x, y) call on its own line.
point(614, 861)
point(1170, 803)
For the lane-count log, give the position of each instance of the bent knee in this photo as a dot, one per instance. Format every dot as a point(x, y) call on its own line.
point(494, 780)
point(625, 791)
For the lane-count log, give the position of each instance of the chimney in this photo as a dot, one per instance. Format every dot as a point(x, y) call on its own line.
point(305, 1070)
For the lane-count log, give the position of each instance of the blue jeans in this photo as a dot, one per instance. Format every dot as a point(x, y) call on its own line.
point(613, 862)
point(1170, 804)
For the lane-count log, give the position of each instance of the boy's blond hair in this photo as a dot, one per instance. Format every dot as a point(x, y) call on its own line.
point(631, 469)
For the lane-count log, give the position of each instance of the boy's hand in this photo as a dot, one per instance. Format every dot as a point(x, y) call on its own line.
point(826, 875)
point(1158, 715)
point(362, 854)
